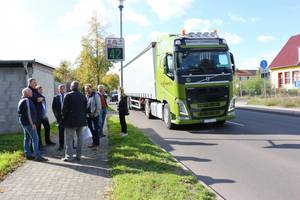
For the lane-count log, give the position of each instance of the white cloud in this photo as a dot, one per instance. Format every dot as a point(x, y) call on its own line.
point(238, 18)
point(202, 25)
point(153, 35)
point(132, 38)
point(254, 62)
point(231, 38)
point(166, 9)
point(136, 17)
point(18, 30)
point(82, 12)
point(265, 38)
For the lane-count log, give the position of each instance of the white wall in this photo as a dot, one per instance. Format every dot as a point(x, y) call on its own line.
point(44, 77)
point(274, 78)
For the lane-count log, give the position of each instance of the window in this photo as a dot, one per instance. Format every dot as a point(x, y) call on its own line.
point(280, 80)
point(287, 78)
point(170, 70)
point(295, 76)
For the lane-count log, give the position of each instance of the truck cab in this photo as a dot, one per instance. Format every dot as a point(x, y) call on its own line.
point(194, 74)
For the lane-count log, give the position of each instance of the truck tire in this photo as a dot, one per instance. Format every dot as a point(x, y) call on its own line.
point(220, 123)
point(129, 103)
point(167, 116)
point(148, 109)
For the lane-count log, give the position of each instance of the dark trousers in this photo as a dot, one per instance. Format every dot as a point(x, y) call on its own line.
point(45, 123)
point(123, 123)
point(93, 124)
point(61, 135)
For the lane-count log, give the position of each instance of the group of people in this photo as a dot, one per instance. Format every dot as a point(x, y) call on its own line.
point(73, 111)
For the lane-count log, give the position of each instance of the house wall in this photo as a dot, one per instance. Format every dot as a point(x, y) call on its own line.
point(274, 77)
point(12, 81)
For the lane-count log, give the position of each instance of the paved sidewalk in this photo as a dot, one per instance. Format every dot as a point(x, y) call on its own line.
point(87, 179)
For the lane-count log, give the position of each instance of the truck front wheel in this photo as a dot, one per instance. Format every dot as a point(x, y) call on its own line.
point(167, 116)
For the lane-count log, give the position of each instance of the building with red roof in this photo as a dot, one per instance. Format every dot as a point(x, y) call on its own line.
point(285, 68)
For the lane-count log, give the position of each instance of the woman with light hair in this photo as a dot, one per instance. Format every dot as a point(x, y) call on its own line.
point(123, 111)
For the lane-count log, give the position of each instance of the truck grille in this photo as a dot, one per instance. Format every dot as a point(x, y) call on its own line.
point(207, 102)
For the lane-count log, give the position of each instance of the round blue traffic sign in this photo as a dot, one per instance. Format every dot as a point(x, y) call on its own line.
point(263, 64)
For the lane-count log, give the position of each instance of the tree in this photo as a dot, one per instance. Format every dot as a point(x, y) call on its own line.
point(63, 73)
point(92, 64)
point(111, 81)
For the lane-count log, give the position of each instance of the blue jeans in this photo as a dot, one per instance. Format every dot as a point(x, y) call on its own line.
point(102, 120)
point(30, 134)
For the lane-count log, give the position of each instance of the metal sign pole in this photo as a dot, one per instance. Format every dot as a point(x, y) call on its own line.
point(121, 36)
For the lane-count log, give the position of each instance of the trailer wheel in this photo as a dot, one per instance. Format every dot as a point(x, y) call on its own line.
point(167, 116)
point(148, 109)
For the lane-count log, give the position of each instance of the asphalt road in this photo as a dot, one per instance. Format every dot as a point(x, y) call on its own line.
point(255, 156)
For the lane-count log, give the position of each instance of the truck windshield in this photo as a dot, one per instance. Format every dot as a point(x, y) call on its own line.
point(204, 61)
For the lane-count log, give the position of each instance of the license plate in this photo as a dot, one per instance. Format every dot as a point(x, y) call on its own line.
point(210, 120)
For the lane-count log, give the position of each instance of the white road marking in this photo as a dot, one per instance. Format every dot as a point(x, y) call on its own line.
point(238, 124)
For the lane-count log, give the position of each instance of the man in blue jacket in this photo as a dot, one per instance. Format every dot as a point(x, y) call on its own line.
point(28, 119)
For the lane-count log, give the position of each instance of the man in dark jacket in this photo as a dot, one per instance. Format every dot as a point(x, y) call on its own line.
point(57, 105)
point(28, 119)
point(37, 100)
point(123, 111)
point(74, 119)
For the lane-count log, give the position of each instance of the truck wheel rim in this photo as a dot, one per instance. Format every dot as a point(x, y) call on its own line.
point(166, 116)
point(147, 109)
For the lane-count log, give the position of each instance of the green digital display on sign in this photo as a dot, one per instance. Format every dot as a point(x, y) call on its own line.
point(114, 49)
point(115, 53)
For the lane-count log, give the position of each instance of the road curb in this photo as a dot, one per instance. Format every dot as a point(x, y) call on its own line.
point(293, 113)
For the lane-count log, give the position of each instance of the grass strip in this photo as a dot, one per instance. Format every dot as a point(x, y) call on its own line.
point(143, 171)
point(292, 102)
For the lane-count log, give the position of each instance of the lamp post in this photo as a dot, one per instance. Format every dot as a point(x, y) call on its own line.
point(121, 6)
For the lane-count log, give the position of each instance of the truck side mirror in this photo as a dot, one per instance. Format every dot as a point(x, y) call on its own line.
point(232, 62)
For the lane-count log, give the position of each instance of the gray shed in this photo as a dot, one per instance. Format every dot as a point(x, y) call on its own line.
point(13, 78)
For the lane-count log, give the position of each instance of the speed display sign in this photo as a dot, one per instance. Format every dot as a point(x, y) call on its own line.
point(114, 49)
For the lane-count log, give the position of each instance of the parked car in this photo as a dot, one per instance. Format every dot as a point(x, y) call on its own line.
point(114, 96)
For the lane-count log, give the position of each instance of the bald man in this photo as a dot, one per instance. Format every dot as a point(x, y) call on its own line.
point(28, 119)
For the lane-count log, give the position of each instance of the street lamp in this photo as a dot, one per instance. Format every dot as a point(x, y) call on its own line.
point(121, 6)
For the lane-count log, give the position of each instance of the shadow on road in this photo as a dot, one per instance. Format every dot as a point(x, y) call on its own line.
point(282, 146)
point(210, 181)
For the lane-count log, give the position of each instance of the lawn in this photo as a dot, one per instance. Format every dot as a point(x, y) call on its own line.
point(287, 102)
point(11, 151)
point(143, 171)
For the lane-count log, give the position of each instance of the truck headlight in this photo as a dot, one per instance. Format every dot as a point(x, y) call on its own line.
point(182, 108)
point(231, 106)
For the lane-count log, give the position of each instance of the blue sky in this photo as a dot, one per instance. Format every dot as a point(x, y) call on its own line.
point(51, 30)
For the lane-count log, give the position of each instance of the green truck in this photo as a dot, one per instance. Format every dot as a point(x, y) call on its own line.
point(183, 79)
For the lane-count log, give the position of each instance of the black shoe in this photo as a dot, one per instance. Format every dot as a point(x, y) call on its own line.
point(77, 158)
point(30, 157)
point(50, 143)
point(60, 148)
point(41, 159)
point(93, 146)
